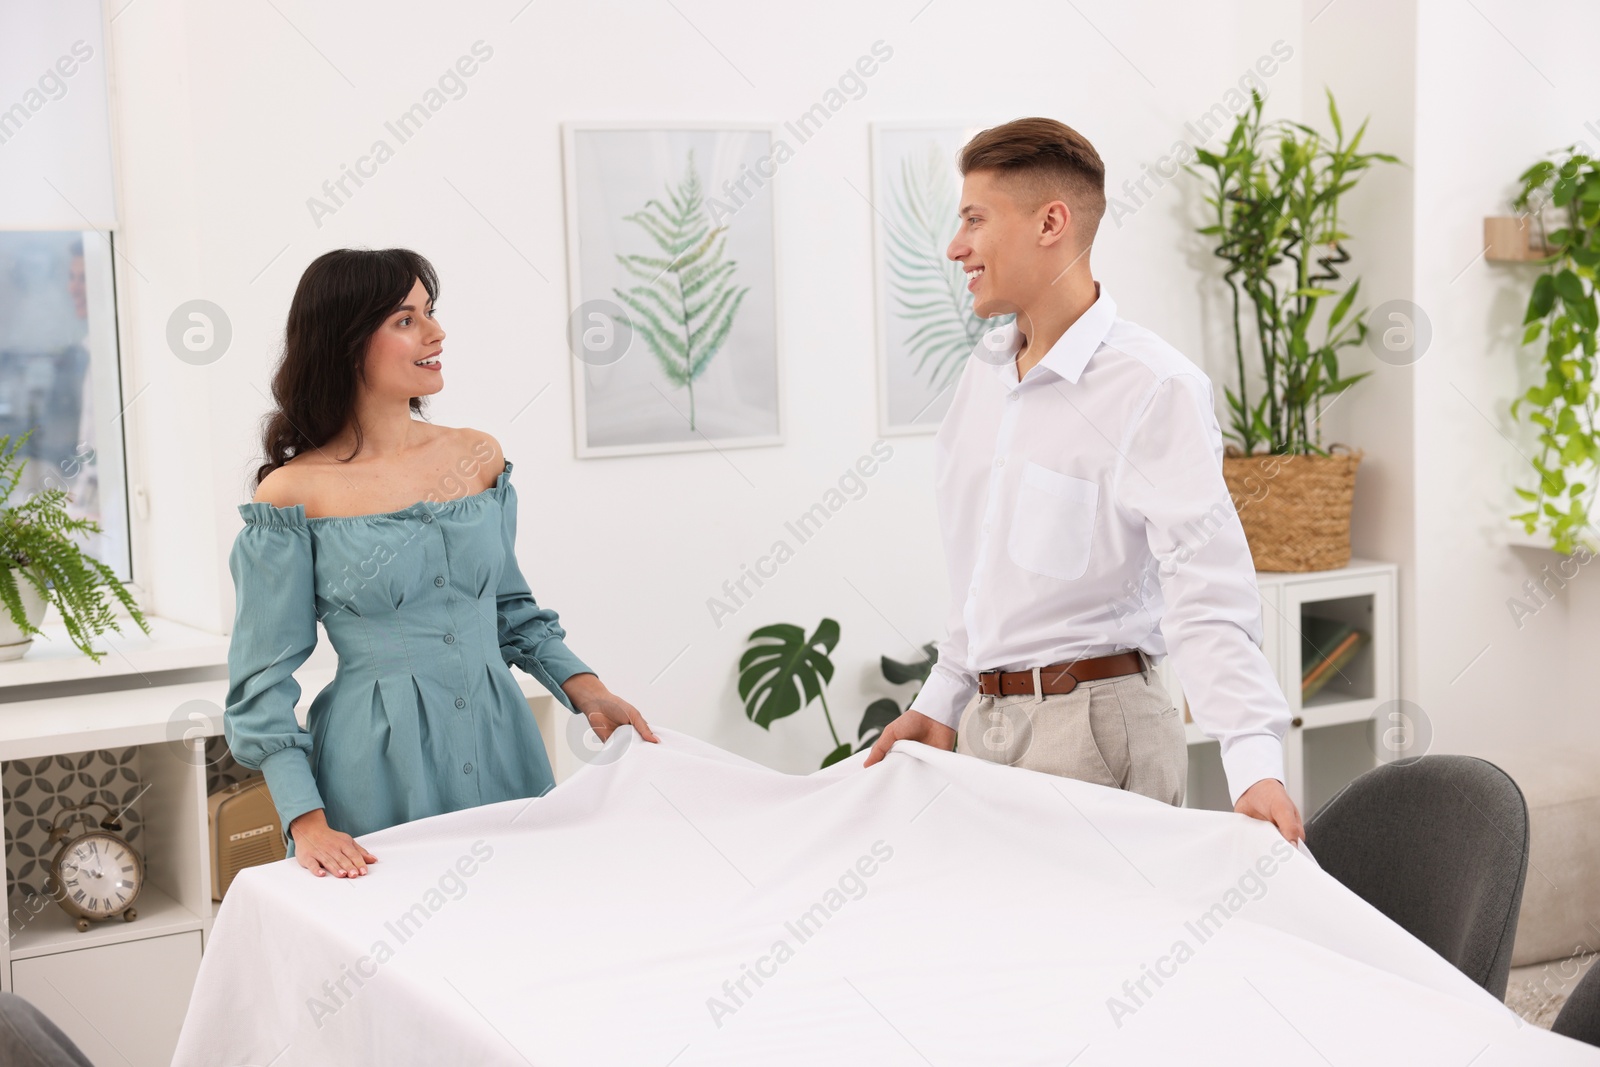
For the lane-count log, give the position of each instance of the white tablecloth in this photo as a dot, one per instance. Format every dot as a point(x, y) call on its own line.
point(680, 905)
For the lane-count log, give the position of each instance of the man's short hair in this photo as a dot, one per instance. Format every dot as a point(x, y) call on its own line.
point(1047, 160)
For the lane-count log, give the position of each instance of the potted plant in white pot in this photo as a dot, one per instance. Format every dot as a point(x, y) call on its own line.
point(1276, 190)
point(40, 565)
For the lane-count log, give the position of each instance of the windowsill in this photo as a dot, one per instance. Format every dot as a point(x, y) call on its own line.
point(170, 646)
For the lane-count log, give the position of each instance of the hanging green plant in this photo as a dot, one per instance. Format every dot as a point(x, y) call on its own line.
point(1561, 310)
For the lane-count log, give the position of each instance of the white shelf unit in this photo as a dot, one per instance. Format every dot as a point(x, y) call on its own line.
point(120, 989)
point(1332, 737)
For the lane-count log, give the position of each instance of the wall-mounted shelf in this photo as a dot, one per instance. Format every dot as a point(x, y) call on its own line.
point(1512, 239)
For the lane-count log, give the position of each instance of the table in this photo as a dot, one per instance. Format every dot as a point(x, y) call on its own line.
point(674, 903)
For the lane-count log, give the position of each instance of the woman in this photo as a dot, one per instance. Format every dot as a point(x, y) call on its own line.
point(399, 536)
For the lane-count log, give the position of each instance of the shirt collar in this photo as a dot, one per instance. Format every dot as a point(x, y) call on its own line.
point(1070, 354)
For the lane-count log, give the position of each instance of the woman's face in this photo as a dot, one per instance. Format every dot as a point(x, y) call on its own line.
point(402, 357)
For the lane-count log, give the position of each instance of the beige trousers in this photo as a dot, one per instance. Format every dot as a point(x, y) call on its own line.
point(1122, 732)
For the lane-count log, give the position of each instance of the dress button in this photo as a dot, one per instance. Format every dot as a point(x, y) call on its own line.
point(1001, 462)
point(438, 579)
point(1013, 396)
point(466, 768)
point(427, 516)
point(461, 702)
point(449, 639)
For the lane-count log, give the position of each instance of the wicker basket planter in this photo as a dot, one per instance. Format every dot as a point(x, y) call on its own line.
point(1295, 509)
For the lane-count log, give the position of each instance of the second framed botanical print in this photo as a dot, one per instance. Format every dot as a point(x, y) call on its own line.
point(672, 268)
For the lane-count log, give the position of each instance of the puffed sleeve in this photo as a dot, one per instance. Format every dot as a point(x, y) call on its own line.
point(274, 631)
point(531, 637)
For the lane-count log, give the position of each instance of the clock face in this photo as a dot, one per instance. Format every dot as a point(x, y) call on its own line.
point(100, 874)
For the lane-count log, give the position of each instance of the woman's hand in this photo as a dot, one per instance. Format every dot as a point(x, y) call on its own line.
point(322, 849)
point(604, 709)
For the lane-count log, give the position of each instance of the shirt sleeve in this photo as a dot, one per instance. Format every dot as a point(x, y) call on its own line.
point(531, 637)
point(1171, 475)
point(950, 684)
point(274, 632)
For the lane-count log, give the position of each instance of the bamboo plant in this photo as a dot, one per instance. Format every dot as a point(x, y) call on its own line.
point(1275, 192)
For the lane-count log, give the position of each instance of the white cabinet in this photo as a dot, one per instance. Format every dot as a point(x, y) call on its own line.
point(120, 989)
point(120, 1003)
point(1342, 730)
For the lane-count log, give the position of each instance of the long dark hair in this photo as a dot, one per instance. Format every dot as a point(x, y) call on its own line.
point(342, 299)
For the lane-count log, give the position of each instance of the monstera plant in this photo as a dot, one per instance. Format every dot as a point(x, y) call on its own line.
point(687, 303)
point(784, 670)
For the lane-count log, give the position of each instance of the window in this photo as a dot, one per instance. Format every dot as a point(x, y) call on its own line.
point(59, 367)
point(59, 378)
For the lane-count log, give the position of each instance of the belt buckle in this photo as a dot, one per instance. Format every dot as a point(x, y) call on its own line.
point(996, 672)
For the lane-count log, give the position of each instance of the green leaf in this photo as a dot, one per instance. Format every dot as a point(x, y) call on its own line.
point(898, 673)
point(842, 752)
point(879, 713)
point(1543, 298)
point(1569, 287)
point(1343, 305)
point(785, 667)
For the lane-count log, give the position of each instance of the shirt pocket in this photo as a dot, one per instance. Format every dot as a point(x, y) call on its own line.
point(1053, 524)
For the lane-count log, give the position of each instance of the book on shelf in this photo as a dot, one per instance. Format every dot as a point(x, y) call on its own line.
point(1326, 647)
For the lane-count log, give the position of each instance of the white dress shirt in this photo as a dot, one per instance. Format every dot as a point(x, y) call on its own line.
point(1084, 512)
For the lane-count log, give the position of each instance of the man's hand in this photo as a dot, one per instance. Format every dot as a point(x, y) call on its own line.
point(604, 709)
point(911, 726)
point(1267, 801)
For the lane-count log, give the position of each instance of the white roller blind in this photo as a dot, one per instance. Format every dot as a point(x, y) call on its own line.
point(55, 130)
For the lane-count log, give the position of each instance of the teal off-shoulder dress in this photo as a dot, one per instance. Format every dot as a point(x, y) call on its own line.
point(428, 611)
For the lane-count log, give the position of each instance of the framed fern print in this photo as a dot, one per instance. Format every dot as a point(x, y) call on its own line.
point(672, 276)
point(926, 328)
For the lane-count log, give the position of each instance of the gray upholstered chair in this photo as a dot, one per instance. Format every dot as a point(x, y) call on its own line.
point(1439, 844)
point(29, 1039)
point(1579, 1017)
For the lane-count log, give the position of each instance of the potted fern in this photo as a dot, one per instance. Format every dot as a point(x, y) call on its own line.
point(41, 565)
point(1275, 193)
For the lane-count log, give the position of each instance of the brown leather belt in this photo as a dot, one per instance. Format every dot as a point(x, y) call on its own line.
point(1060, 677)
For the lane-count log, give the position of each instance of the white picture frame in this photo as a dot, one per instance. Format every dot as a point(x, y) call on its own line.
point(633, 393)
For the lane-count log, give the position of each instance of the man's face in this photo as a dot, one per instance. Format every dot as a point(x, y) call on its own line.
point(998, 244)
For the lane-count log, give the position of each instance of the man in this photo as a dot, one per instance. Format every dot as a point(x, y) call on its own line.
point(1087, 527)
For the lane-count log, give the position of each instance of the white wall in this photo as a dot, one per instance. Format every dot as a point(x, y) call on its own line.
point(1495, 92)
point(229, 119)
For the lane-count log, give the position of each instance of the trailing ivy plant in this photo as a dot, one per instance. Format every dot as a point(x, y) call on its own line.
point(36, 546)
point(784, 670)
point(1276, 190)
point(1561, 310)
